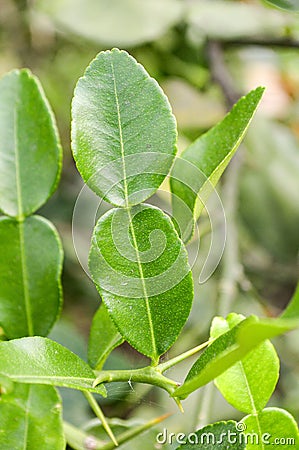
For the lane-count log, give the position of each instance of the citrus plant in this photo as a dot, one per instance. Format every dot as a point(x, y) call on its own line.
point(124, 142)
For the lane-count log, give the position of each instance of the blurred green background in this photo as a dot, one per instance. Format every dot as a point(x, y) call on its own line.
point(204, 53)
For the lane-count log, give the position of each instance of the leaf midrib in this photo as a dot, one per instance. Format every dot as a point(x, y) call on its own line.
point(17, 166)
point(121, 141)
point(20, 225)
point(25, 280)
point(27, 411)
point(47, 377)
point(146, 298)
point(254, 410)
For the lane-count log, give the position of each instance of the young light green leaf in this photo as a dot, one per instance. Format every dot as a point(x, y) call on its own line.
point(30, 269)
point(248, 384)
point(197, 171)
point(39, 360)
point(123, 131)
point(289, 5)
point(216, 436)
point(104, 337)
point(140, 267)
point(30, 152)
point(273, 427)
point(230, 348)
point(31, 418)
point(112, 22)
point(256, 332)
point(292, 310)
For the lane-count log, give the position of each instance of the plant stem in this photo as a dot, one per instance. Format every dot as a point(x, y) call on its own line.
point(147, 375)
point(173, 361)
point(99, 413)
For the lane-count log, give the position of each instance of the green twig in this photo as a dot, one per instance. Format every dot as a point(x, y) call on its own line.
point(99, 413)
point(173, 361)
point(147, 375)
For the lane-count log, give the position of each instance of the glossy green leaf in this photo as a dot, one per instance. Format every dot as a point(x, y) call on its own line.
point(273, 427)
point(140, 267)
point(248, 384)
point(39, 360)
point(216, 436)
point(30, 152)
point(289, 5)
point(31, 418)
point(230, 348)
point(197, 171)
point(113, 22)
point(30, 269)
point(104, 337)
point(123, 131)
point(292, 310)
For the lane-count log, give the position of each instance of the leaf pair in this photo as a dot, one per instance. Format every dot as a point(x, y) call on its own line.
point(124, 143)
point(30, 264)
point(30, 165)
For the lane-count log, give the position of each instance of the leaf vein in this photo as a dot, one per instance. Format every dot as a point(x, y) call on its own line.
point(146, 298)
point(120, 131)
